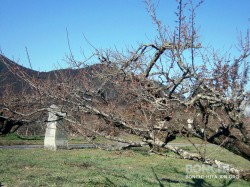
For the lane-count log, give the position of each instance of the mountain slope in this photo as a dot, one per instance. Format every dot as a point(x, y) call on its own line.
point(10, 79)
point(9, 74)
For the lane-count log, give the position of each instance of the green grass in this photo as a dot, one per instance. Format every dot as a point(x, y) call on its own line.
point(14, 139)
point(95, 167)
point(187, 140)
point(219, 153)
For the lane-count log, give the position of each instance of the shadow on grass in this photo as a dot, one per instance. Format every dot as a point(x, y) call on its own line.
point(110, 177)
point(107, 182)
point(30, 137)
point(157, 178)
point(14, 136)
point(195, 181)
point(144, 151)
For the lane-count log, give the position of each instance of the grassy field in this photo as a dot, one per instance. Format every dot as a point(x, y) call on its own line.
point(14, 139)
point(95, 167)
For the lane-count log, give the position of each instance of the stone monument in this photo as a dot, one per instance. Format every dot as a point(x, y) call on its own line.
point(55, 135)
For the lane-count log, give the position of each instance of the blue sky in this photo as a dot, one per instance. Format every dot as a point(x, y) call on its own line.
point(40, 25)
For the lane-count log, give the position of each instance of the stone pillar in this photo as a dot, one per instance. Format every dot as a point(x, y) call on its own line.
point(55, 135)
point(247, 112)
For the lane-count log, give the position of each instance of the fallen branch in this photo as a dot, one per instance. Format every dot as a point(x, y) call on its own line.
point(211, 162)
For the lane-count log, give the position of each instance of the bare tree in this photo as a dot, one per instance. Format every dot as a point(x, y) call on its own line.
point(171, 87)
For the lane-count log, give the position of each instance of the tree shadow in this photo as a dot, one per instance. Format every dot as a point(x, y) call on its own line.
point(107, 182)
point(194, 181)
point(30, 137)
point(157, 178)
point(110, 183)
point(108, 174)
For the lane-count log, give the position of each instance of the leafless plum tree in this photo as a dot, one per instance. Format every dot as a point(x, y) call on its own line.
point(171, 87)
